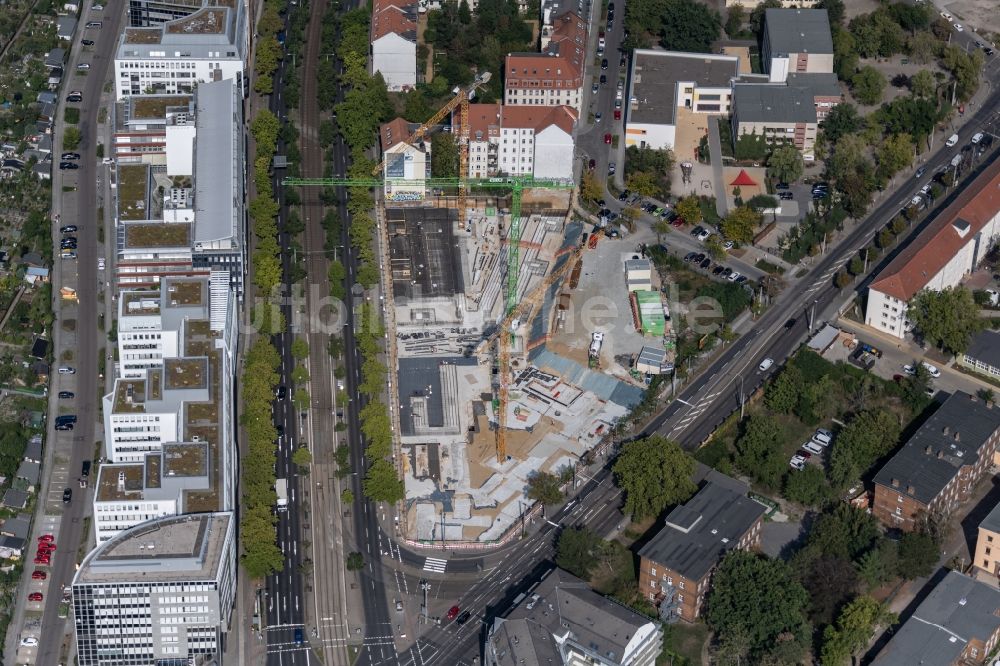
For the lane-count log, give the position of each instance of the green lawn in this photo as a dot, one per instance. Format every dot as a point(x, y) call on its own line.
point(683, 644)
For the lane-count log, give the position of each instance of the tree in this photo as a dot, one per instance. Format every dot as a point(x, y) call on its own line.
point(783, 393)
point(878, 565)
point(986, 395)
point(786, 163)
point(346, 496)
point(381, 483)
point(918, 555)
point(868, 85)
point(689, 26)
point(923, 47)
point(642, 183)
point(545, 488)
point(756, 453)
point(843, 119)
point(300, 349)
point(867, 437)
point(854, 627)
point(689, 208)
point(655, 473)
point(590, 188)
point(302, 457)
point(713, 245)
point(807, 486)
point(577, 551)
point(830, 582)
point(355, 561)
point(741, 224)
point(71, 138)
point(895, 153)
point(947, 319)
point(922, 84)
point(444, 155)
point(757, 597)
point(735, 18)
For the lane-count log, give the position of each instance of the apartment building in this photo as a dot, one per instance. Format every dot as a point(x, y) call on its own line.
point(796, 41)
point(394, 42)
point(187, 216)
point(160, 593)
point(947, 250)
point(987, 556)
point(140, 122)
point(676, 565)
point(521, 140)
point(209, 43)
point(407, 165)
point(562, 622)
point(554, 77)
point(938, 467)
point(777, 112)
point(958, 623)
point(663, 85)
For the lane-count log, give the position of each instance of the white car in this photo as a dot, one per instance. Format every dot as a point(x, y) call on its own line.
point(734, 276)
point(766, 364)
point(100, 264)
point(705, 233)
point(813, 448)
point(822, 437)
point(910, 370)
point(29, 641)
point(958, 27)
point(67, 370)
point(83, 65)
point(797, 462)
point(946, 16)
point(932, 370)
point(977, 137)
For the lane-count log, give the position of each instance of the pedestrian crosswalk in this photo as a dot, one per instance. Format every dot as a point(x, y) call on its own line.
point(434, 564)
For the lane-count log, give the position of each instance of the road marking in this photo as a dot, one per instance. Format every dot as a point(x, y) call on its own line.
point(434, 564)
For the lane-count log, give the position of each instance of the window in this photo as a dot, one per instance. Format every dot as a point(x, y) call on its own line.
point(989, 550)
point(899, 511)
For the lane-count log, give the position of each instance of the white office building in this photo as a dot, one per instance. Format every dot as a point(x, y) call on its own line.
point(161, 593)
point(520, 140)
point(210, 44)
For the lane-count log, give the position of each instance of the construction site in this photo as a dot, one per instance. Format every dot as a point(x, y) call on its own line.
point(502, 370)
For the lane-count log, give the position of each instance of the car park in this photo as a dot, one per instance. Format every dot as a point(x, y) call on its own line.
point(766, 364)
point(35, 596)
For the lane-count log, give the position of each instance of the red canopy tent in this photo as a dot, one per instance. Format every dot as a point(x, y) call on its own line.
point(744, 180)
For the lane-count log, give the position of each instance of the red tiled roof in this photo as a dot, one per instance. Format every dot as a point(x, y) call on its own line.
point(393, 132)
point(393, 16)
point(484, 121)
point(562, 63)
point(924, 258)
point(538, 117)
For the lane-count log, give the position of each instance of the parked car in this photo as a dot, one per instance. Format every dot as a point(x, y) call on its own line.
point(786, 196)
point(910, 370)
point(612, 167)
point(83, 65)
point(46, 538)
point(797, 462)
point(597, 117)
point(68, 165)
point(813, 447)
point(603, 79)
point(94, 24)
point(29, 641)
point(67, 370)
point(74, 96)
point(35, 596)
point(68, 229)
point(70, 156)
point(66, 395)
point(703, 234)
point(734, 276)
point(781, 186)
point(38, 574)
point(705, 263)
point(618, 114)
point(604, 63)
point(64, 426)
point(607, 138)
point(689, 257)
point(805, 454)
point(87, 42)
point(98, 8)
point(919, 173)
point(67, 495)
point(934, 372)
point(43, 559)
point(822, 437)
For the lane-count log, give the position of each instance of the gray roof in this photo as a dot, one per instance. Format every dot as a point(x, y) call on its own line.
point(29, 471)
point(19, 526)
point(215, 179)
point(638, 265)
point(992, 521)
point(655, 75)
point(603, 386)
point(421, 377)
point(65, 25)
point(565, 606)
point(948, 440)
point(957, 610)
point(12, 543)
point(652, 355)
point(15, 499)
point(46, 96)
point(187, 548)
point(819, 84)
point(798, 31)
point(985, 347)
point(699, 533)
point(33, 451)
point(773, 102)
point(55, 58)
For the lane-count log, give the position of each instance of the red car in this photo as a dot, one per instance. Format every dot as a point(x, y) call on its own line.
point(678, 222)
point(607, 138)
point(39, 575)
point(618, 114)
point(46, 545)
point(46, 538)
point(35, 596)
point(42, 559)
point(453, 612)
point(592, 164)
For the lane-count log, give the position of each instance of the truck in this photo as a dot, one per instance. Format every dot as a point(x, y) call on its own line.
point(281, 488)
